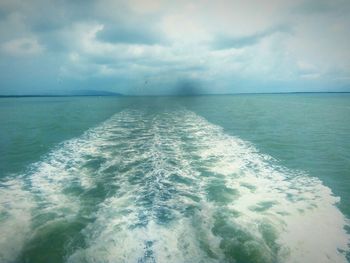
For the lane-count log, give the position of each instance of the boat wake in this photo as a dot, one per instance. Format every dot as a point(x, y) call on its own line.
point(166, 187)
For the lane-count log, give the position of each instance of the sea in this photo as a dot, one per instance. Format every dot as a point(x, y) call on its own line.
point(249, 178)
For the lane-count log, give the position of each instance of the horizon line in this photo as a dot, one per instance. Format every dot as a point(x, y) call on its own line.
point(238, 93)
point(166, 95)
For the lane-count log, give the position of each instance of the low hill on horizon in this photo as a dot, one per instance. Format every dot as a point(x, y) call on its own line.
point(67, 93)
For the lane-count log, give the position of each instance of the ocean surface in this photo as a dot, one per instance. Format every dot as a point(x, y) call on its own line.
point(239, 178)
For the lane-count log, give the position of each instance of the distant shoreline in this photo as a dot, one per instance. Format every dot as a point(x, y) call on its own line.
point(176, 95)
point(54, 96)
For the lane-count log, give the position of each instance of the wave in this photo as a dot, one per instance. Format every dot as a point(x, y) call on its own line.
point(168, 187)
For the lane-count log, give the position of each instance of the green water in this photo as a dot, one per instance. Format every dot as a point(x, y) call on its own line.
point(242, 178)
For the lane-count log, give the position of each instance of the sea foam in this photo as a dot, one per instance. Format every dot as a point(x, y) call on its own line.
point(171, 187)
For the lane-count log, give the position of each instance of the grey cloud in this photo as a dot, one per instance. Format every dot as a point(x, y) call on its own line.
point(115, 33)
point(3, 14)
point(42, 16)
point(172, 56)
point(224, 42)
point(323, 6)
point(48, 19)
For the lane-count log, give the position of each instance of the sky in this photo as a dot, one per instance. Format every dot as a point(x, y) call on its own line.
point(156, 47)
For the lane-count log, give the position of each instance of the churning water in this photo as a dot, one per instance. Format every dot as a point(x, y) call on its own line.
point(166, 186)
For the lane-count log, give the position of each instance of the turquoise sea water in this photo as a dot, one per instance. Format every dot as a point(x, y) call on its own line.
point(241, 178)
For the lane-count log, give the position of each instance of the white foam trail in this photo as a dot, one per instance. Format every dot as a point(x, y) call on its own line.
point(69, 165)
point(43, 189)
point(310, 227)
point(127, 228)
point(177, 189)
point(15, 218)
point(263, 212)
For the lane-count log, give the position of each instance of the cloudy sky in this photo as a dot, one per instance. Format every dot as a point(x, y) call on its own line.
point(172, 47)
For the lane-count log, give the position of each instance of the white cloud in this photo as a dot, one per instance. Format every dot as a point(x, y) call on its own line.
point(261, 41)
point(22, 47)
